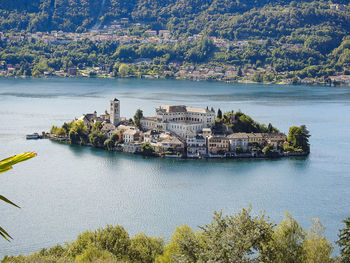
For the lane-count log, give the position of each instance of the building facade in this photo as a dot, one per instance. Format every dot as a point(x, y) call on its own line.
point(238, 140)
point(131, 135)
point(196, 146)
point(218, 145)
point(182, 120)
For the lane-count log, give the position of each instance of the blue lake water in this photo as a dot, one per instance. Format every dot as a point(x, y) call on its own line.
point(68, 189)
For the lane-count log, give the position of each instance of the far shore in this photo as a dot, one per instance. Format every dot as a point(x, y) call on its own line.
point(199, 80)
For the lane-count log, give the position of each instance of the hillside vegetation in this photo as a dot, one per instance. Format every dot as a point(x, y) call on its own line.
point(293, 39)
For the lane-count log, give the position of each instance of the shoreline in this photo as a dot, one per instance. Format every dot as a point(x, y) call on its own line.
point(184, 79)
point(243, 156)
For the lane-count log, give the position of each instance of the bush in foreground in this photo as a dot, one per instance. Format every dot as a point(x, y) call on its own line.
point(238, 238)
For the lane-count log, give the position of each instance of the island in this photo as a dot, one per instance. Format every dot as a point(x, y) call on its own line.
point(183, 132)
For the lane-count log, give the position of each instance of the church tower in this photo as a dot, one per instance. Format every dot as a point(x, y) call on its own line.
point(115, 112)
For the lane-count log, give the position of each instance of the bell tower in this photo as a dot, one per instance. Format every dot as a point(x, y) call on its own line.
point(115, 112)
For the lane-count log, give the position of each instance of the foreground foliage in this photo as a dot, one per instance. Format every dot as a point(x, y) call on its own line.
point(242, 237)
point(6, 165)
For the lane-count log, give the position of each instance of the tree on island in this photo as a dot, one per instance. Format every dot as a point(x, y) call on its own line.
point(78, 134)
point(109, 144)
point(97, 138)
point(219, 115)
point(298, 137)
point(147, 149)
point(112, 142)
point(59, 131)
point(137, 118)
point(239, 149)
point(269, 151)
point(97, 126)
point(115, 138)
point(271, 129)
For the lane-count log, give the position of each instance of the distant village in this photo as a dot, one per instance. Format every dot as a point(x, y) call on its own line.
point(180, 131)
point(117, 32)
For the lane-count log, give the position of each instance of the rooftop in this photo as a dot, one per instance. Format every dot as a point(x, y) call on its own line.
point(182, 108)
point(239, 135)
point(130, 132)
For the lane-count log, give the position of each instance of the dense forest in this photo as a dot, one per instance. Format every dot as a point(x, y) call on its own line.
point(298, 38)
point(227, 18)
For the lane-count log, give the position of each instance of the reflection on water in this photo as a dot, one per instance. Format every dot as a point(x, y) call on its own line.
point(68, 189)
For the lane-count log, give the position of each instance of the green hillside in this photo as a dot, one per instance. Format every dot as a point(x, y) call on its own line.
point(222, 17)
point(295, 39)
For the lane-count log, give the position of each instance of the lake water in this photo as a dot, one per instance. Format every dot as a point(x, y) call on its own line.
point(68, 189)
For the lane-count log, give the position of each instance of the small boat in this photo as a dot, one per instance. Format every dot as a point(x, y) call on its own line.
point(32, 136)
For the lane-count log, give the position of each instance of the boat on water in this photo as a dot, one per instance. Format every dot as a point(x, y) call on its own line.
point(32, 136)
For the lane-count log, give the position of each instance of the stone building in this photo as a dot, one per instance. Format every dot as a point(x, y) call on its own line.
point(181, 120)
point(115, 111)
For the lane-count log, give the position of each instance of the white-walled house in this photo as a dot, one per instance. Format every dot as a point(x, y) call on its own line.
point(131, 135)
point(196, 146)
point(238, 140)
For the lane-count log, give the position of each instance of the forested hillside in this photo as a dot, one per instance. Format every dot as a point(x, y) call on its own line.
point(222, 17)
point(288, 39)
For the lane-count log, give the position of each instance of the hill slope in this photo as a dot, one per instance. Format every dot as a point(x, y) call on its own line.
point(303, 38)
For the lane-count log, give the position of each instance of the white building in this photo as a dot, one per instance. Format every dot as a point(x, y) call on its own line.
point(238, 140)
point(132, 147)
point(181, 120)
point(196, 146)
point(131, 135)
point(151, 136)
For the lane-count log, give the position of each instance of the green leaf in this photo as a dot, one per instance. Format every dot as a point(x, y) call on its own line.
point(3, 198)
point(4, 234)
point(6, 164)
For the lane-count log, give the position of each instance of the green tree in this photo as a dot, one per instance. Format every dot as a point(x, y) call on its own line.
point(287, 242)
point(114, 239)
point(74, 137)
point(147, 149)
point(61, 132)
point(115, 137)
point(219, 115)
point(109, 144)
point(317, 247)
point(269, 151)
point(184, 246)
point(298, 137)
point(271, 129)
point(137, 118)
point(344, 241)
point(96, 127)
point(235, 238)
point(124, 70)
point(94, 255)
point(239, 149)
point(97, 138)
point(145, 249)
point(78, 134)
